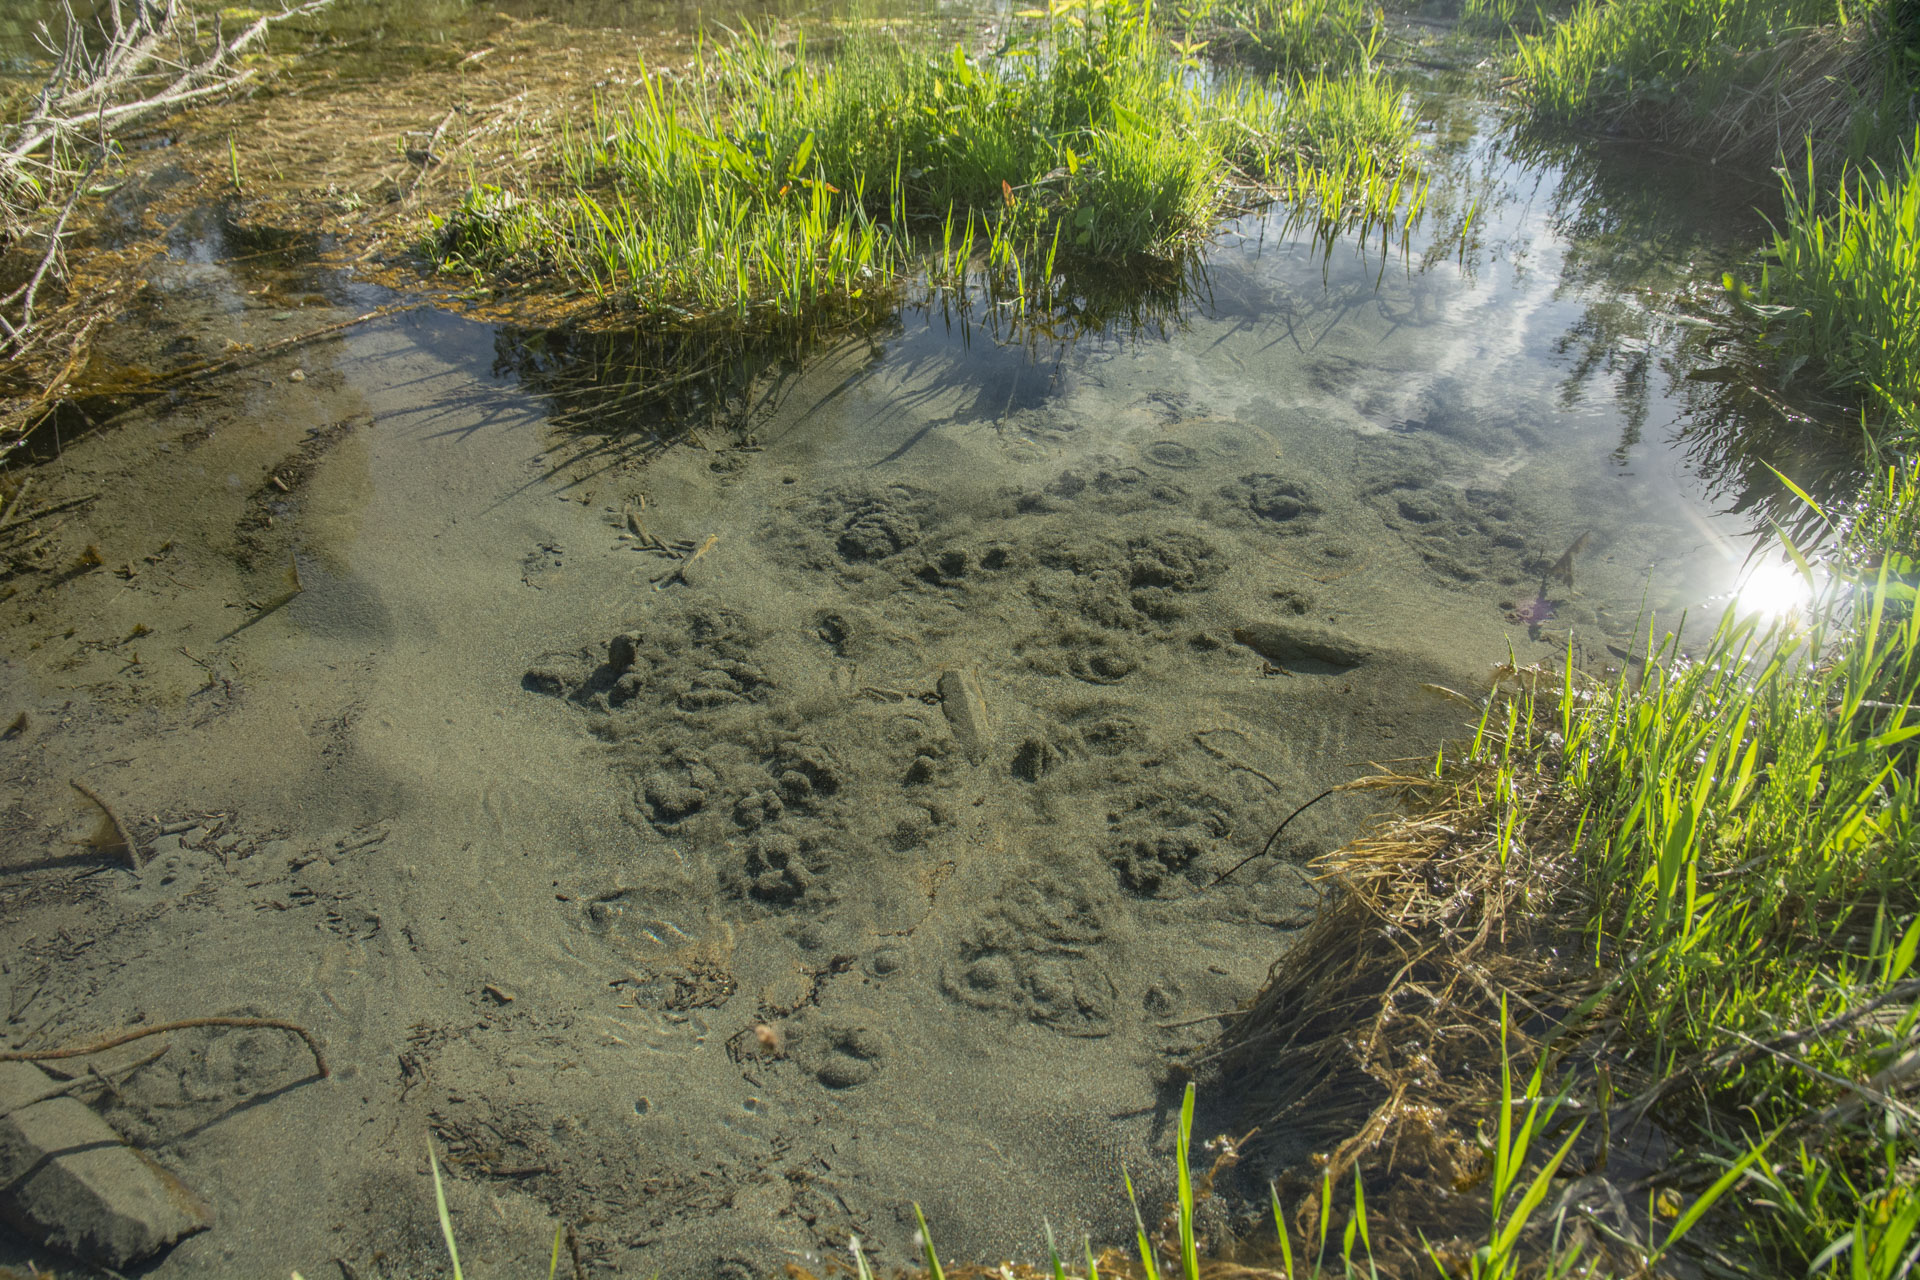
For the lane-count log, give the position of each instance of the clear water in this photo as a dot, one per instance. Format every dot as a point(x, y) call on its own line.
point(727, 905)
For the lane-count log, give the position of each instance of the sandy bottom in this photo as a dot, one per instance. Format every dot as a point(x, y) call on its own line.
point(728, 906)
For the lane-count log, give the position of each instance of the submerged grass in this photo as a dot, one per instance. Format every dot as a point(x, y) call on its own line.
point(770, 188)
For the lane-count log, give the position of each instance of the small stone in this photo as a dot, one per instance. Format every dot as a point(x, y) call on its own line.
point(298, 375)
point(68, 1181)
point(966, 711)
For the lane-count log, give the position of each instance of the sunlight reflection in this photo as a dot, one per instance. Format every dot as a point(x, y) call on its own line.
point(1773, 589)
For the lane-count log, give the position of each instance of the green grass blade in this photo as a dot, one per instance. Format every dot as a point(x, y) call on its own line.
point(926, 1243)
point(1147, 1266)
point(1280, 1230)
point(1183, 1146)
point(446, 1219)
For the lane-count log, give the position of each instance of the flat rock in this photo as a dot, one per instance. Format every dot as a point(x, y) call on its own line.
point(67, 1179)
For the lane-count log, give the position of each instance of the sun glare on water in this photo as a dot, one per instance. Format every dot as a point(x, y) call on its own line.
point(1772, 589)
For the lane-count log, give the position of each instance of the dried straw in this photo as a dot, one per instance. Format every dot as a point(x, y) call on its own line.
point(1377, 1038)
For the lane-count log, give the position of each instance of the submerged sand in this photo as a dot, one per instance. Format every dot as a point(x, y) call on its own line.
point(723, 906)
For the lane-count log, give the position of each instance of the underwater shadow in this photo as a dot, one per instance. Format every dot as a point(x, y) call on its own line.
point(629, 394)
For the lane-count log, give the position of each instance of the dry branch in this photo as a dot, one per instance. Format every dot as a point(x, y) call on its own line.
point(80, 1082)
point(149, 61)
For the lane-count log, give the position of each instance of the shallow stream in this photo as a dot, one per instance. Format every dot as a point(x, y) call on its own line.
point(727, 845)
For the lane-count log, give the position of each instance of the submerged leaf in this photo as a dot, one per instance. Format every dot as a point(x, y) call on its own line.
point(1563, 567)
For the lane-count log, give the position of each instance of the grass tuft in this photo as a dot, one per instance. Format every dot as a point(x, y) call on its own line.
point(1701, 880)
point(1293, 37)
point(1744, 78)
point(1840, 284)
point(771, 190)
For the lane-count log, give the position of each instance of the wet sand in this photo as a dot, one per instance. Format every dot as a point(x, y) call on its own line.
point(727, 905)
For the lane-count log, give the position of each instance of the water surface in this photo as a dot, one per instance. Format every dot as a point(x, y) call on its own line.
point(728, 905)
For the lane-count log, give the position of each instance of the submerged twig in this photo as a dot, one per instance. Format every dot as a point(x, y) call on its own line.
point(1222, 877)
point(80, 1082)
point(251, 352)
point(115, 1041)
point(15, 521)
point(120, 831)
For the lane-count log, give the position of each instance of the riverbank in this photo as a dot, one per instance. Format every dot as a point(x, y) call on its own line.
point(830, 790)
point(1686, 891)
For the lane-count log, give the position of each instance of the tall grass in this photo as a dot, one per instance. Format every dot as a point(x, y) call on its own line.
point(1747, 77)
point(770, 187)
point(1609, 52)
point(1502, 17)
point(1294, 37)
point(1840, 284)
point(1750, 839)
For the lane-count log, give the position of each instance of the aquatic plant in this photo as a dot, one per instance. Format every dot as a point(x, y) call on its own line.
point(1294, 37)
point(1727, 77)
point(1502, 17)
point(1840, 284)
point(770, 188)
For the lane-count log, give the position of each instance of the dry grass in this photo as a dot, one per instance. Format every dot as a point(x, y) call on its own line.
point(1377, 1038)
point(361, 158)
point(1741, 80)
point(1688, 896)
point(1809, 86)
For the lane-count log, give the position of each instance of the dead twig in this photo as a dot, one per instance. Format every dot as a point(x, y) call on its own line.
point(1839, 1022)
point(15, 521)
point(427, 159)
point(127, 1037)
point(1865, 1092)
point(128, 844)
point(80, 1082)
point(146, 59)
point(28, 293)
